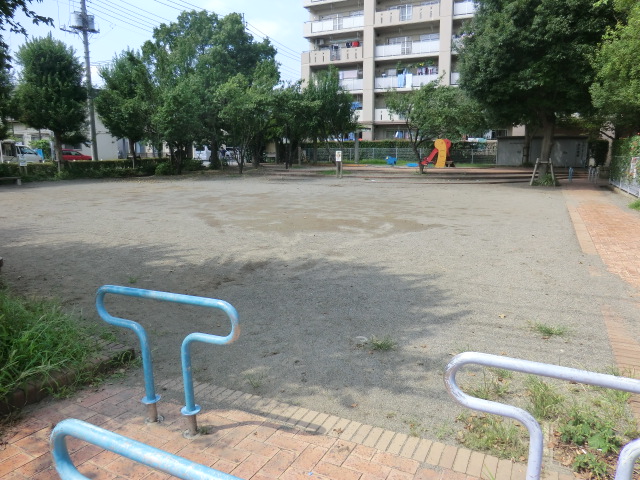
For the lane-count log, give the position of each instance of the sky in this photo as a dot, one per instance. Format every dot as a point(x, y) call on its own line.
point(126, 24)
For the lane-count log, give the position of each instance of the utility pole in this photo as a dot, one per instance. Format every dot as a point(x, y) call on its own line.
point(85, 24)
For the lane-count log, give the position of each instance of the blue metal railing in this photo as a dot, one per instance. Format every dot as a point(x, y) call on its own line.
point(534, 465)
point(190, 409)
point(126, 447)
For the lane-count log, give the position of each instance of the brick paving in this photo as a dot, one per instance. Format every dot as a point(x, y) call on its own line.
point(257, 438)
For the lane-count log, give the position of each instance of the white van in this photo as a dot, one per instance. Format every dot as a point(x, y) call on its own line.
point(10, 151)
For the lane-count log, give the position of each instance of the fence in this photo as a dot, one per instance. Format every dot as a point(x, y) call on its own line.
point(480, 154)
point(624, 174)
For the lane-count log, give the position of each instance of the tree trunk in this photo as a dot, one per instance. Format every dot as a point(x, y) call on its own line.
point(132, 148)
point(548, 121)
point(526, 148)
point(58, 149)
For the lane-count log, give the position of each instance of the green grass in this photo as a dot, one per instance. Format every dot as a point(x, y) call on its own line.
point(38, 338)
point(635, 205)
point(383, 344)
point(549, 330)
point(590, 424)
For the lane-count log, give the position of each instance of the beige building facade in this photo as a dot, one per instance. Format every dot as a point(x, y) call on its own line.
point(381, 44)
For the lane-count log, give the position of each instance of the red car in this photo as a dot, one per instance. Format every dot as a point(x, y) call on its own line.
point(72, 155)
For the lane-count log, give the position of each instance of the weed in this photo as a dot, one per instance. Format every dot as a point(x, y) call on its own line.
point(37, 338)
point(495, 435)
point(133, 280)
point(382, 344)
point(545, 181)
point(549, 330)
point(584, 427)
point(545, 401)
point(635, 205)
point(588, 462)
point(493, 385)
point(255, 380)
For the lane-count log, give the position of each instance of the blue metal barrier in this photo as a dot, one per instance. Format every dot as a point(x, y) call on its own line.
point(534, 464)
point(126, 447)
point(151, 398)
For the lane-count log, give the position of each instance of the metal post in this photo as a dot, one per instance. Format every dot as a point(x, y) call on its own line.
point(87, 66)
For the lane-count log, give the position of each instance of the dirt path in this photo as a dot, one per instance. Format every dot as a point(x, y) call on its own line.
point(313, 264)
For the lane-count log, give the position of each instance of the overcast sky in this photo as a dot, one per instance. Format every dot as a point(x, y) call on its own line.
point(129, 23)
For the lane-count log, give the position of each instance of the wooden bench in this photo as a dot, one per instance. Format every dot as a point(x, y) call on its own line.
point(16, 180)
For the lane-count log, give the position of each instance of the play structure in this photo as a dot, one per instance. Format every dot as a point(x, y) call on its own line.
point(442, 150)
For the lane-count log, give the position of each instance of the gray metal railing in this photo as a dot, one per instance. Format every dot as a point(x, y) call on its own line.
point(534, 464)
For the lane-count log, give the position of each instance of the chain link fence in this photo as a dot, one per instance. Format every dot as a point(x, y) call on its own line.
point(481, 154)
point(624, 174)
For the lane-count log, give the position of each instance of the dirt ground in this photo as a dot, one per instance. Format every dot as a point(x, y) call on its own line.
point(312, 265)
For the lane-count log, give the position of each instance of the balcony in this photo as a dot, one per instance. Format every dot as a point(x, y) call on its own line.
point(464, 7)
point(383, 115)
point(351, 84)
point(315, 3)
point(408, 14)
point(335, 24)
point(326, 56)
point(408, 48)
point(404, 82)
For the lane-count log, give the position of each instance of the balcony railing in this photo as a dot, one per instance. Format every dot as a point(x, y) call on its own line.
point(326, 56)
point(406, 81)
point(465, 7)
point(409, 48)
point(351, 84)
point(312, 3)
point(455, 77)
point(383, 115)
point(417, 13)
point(335, 24)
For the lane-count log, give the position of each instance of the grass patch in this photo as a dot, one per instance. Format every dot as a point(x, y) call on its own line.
point(588, 425)
point(549, 330)
point(635, 205)
point(38, 338)
point(383, 344)
point(545, 181)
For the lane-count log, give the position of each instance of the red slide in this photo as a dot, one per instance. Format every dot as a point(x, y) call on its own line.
point(429, 159)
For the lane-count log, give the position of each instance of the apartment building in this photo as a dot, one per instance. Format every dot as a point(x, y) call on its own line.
point(382, 44)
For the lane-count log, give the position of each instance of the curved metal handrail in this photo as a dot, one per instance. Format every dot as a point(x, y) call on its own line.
point(126, 447)
point(151, 396)
point(534, 463)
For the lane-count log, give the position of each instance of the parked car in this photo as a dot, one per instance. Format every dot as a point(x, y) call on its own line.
point(73, 155)
point(10, 151)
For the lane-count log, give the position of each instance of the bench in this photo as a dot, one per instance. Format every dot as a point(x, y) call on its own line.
point(16, 180)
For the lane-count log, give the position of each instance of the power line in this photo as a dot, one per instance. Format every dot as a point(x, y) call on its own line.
point(108, 12)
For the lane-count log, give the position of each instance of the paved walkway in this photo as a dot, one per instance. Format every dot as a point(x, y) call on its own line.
point(256, 438)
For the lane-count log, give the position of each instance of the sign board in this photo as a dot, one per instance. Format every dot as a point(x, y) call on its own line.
point(23, 163)
point(339, 156)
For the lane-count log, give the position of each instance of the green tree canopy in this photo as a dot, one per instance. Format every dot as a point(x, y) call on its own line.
point(616, 90)
point(126, 101)
point(528, 61)
point(190, 59)
point(436, 111)
point(331, 107)
point(50, 93)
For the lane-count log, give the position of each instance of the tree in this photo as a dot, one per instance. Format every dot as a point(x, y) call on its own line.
point(7, 18)
point(435, 111)
point(50, 94)
point(527, 61)
point(616, 90)
point(190, 59)
point(246, 110)
point(291, 118)
point(125, 103)
point(331, 108)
